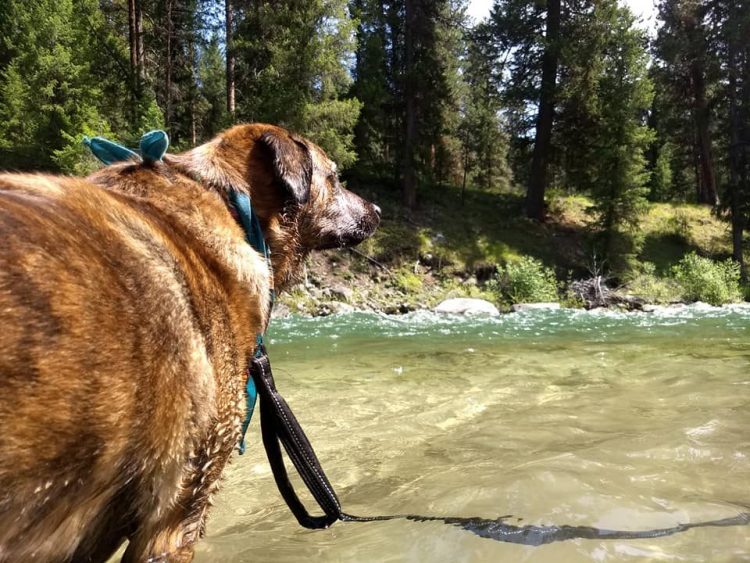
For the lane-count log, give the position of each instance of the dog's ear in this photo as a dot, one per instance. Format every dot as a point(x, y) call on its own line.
point(292, 164)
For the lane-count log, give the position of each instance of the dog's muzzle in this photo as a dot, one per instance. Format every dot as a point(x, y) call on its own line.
point(358, 221)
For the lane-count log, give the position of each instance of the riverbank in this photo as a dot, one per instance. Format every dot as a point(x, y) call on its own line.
point(312, 307)
point(454, 246)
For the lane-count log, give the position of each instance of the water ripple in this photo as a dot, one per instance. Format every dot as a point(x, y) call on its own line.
point(597, 325)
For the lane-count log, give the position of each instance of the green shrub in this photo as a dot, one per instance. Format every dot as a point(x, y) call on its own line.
point(527, 281)
point(407, 281)
point(703, 279)
point(644, 283)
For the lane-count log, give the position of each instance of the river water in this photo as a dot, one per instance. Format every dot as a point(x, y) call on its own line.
point(616, 421)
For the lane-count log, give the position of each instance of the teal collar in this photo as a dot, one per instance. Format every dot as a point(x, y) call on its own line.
point(250, 223)
point(246, 217)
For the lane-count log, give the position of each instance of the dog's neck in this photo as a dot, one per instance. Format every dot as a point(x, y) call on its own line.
point(203, 165)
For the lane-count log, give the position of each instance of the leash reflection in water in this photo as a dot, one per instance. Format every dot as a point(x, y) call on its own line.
point(539, 535)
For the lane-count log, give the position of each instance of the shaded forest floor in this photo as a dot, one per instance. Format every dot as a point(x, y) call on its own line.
point(452, 245)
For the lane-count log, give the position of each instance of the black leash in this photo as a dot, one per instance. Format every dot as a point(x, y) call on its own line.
point(279, 426)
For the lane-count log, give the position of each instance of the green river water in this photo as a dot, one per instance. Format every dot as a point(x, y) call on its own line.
point(618, 421)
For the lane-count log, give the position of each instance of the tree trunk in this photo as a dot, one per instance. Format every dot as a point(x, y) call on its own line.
point(697, 167)
point(546, 115)
point(140, 56)
point(132, 47)
point(737, 174)
point(490, 165)
point(135, 46)
point(393, 25)
point(229, 15)
point(193, 96)
point(168, 69)
point(408, 172)
point(708, 193)
point(466, 167)
point(193, 131)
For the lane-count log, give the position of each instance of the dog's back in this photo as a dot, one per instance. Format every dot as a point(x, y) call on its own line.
point(42, 274)
point(130, 303)
point(103, 372)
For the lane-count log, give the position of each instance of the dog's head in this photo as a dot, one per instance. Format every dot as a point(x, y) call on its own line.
point(295, 191)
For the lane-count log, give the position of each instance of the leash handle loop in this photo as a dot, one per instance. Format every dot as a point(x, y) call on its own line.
point(279, 426)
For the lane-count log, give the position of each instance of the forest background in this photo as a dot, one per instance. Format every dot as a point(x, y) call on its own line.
point(540, 153)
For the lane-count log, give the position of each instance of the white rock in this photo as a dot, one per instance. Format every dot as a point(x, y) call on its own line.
point(466, 306)
point(521, 307)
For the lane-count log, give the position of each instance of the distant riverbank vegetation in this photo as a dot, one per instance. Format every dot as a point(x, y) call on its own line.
point(453, 249)
point(553, 142)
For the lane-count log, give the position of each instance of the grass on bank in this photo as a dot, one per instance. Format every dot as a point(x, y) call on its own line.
point(478, 244)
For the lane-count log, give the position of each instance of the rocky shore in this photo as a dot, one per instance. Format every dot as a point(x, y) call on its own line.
point(338, 282)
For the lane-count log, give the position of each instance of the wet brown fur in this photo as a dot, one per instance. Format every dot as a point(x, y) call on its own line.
point(129, 306)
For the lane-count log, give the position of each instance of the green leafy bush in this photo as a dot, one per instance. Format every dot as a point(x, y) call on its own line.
point(646, 284)
point(703, 279)
point(407, 281)
point(527, 281)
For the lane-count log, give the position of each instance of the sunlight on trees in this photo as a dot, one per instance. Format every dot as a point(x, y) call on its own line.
point(409, 95)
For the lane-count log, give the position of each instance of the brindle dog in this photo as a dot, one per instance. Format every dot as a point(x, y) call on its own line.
point(129, 307)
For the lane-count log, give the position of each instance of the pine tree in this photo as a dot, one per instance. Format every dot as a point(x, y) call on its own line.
point(682, 48)
point(213, 114)
point(450, 53)
point(229, 32)
point(702, 50)
point(674, 146)
point(621, 134)
point(732, 28)
point(546, 114)
point(484, 142)
point(517, 30)
point(173, 42)
point(291, 70)
point(408, 74)
point(378, 123)
point(48, 91)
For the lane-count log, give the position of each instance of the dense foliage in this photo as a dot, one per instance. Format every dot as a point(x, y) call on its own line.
point(704, 280)
point(544, 96)
point(527, 281)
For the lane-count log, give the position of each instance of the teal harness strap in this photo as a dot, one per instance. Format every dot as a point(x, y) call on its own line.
point(251, 397)
point(254, 235)
point(250, 222)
